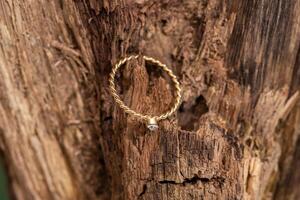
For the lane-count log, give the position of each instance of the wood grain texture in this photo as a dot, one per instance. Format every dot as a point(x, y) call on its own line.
point(234, 136)
point(236, 66)
point(48, 115)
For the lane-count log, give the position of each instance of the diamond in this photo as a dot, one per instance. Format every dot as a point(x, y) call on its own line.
point(152, 124)
point(152, 127)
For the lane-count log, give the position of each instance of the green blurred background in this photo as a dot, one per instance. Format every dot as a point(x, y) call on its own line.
point(3, 182)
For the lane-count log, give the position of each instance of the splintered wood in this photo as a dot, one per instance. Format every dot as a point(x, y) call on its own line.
point(235, 136)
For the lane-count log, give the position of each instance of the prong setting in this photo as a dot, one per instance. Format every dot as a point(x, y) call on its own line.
point(152, 124)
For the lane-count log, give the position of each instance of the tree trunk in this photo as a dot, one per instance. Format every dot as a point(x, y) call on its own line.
point(235, 136)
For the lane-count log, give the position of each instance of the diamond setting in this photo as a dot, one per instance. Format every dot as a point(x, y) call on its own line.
point(152, 124)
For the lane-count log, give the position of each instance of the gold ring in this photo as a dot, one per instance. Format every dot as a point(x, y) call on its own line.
point(151, 120)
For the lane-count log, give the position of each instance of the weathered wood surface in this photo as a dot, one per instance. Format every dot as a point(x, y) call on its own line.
point(234, 137)
point(48, 110)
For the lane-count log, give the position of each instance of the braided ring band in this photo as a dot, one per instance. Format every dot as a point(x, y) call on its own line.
point(152, 120)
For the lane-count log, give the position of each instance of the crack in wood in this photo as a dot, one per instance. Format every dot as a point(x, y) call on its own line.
point(196, 179)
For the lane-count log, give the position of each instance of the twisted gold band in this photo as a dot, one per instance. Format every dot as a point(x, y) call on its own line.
point(151, 119)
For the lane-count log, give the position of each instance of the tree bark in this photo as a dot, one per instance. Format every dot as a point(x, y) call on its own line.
point(49, 112)
point(235, 136)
